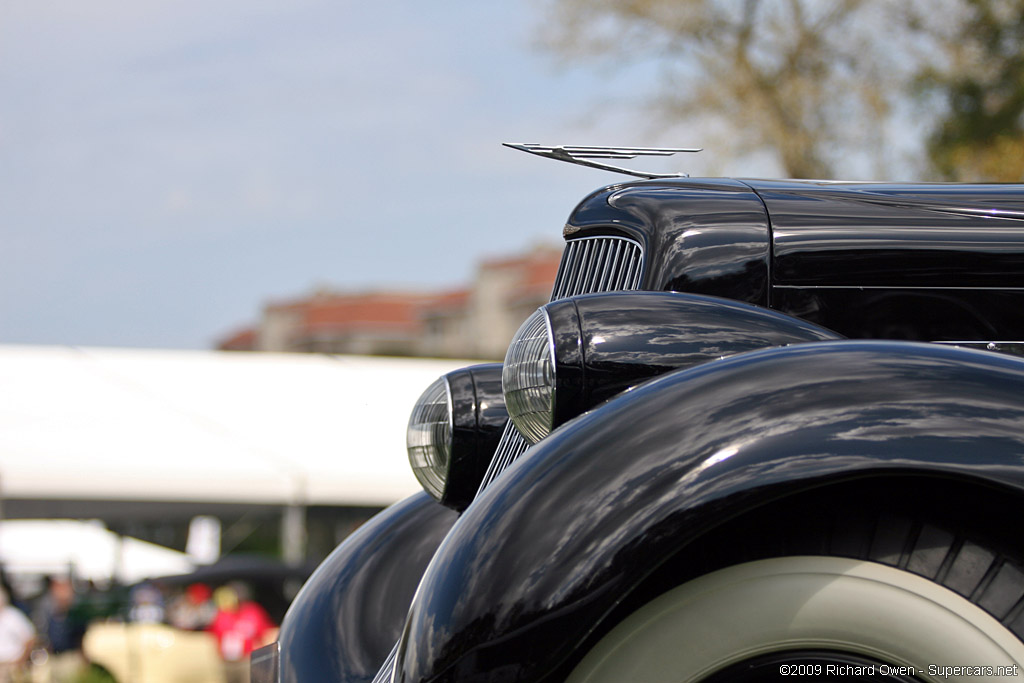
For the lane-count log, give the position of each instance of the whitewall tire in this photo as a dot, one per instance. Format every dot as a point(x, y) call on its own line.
point(803, 603)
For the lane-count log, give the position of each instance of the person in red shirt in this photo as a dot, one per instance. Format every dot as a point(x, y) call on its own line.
point(240, 626)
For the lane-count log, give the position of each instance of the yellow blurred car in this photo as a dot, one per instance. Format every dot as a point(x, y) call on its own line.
point(153, 653)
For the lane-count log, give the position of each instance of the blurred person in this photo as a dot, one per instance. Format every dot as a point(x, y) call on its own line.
point(17, 636)
point(240, 626)
point(62, 627)
point(96, 603)
point(147, 604)
point(12, 595)
point(193, 610)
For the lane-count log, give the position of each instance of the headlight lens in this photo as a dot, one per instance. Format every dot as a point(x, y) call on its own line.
point(429, 437)
point(528, 378)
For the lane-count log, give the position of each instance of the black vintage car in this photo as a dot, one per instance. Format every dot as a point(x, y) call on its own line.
point(763, 428)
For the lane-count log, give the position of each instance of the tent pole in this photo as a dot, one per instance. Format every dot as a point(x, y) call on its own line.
point(293, 534)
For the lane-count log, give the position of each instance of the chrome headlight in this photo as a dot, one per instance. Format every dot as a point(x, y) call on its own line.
point(528, 378)
point(429, 437)
point(454, 429)
point(575, 353)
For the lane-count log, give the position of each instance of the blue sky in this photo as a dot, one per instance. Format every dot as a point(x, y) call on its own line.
point(166, 167)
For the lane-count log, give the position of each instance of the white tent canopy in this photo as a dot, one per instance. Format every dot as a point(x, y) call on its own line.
point(118, 424)
point(85, 550)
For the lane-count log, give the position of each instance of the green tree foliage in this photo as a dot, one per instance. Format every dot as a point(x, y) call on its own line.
point(980, 83)
point(804, 78)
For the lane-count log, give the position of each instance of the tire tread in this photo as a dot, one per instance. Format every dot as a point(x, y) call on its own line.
point(932, 547)
point(984, 569)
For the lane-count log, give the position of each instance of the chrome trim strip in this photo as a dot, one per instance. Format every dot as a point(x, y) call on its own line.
point(511, 446)
point(387, 670)
point(907, 288)
point(265, 664)
point(978, 341)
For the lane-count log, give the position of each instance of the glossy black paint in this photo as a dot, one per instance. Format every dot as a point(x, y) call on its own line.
point(867, 260)
point(895, 235)
point(909, 314)
point(478, 418)
point(607, 343)
point(700, 236)
point(348, 615)
point(896, 261)
point(551, 547)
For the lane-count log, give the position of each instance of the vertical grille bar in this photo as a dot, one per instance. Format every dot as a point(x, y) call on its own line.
point(635, 284)
point(619, 266)
point(580, 277)
point(600, 247)
point(628, 276)
point(608, 273)
point(569, 264)
point(575, 266)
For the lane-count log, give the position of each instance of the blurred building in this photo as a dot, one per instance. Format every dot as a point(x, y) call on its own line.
point(376, 323)
point(476, 321)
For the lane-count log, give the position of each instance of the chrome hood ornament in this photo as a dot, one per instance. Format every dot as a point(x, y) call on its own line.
point(577, 154)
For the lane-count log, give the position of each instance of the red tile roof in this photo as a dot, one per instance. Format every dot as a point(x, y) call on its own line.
point(242, 340)
point(447, 302)
point(364, 312)
point(536, 271)
point(539, 272)
point(327, 313)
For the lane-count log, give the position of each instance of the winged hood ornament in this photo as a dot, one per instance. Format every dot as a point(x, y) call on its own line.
point(580, 154)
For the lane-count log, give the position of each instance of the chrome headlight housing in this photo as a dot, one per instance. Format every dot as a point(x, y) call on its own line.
point(453, 430)
point(528, 377)
point(429, 437)
point(575, 353)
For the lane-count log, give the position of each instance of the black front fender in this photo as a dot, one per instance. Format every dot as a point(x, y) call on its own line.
point(551, 547)
point(345, 620)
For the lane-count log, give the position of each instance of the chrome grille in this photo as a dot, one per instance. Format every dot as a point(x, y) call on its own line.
point(511, 446)
point(589, 265)
point(598, 264)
